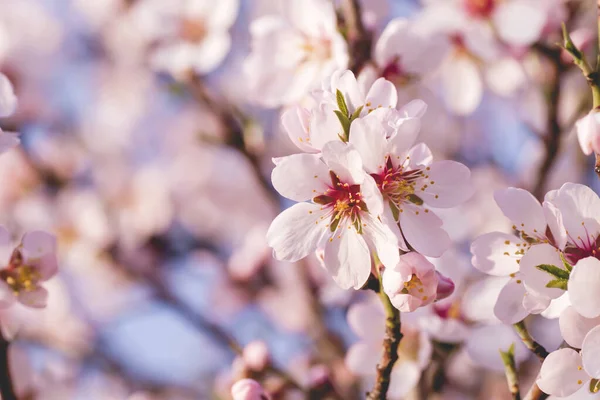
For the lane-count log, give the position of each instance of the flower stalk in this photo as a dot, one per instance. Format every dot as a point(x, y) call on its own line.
point(510, 369)
point(528, 341)
point(7, 390)
point(391, 341)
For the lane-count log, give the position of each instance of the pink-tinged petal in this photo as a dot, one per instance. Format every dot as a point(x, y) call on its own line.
point(387, 46)
point(583, 285)
point(372, 196)
point(463, 88)
point(381, 95)
point(347, 258)
point(519, 23)
point(220, 15)
point(588, 132)
point(367, 135)
point(368, 75)
point(561, 373)
point(4, 236)
point(445, 287)
point(362, 358)
point(556, 307)
point(485, 341)
point(296, 122)
point(448, 185)
point(296, 232)
point(423, 231)
point(480, 39)
point(39, 249)
point(211, 52)
point(7, 297)
point(445, 330)
point(523, 209)
point(388, 219)
point(509, 307)
point(480, 299)
point(8, 141)
point(405, 132)
point(248, 389)
point(418, 156)
point(345, 82)
point(578, 206)
point(555, 223)
point(8, 100)
point(535, 303)
point(37, 298)
point(325, 126)
point(345, 161)
point(536, 279)
point(381, 238)
point(495, 253)
point(301, 177)
point(414, 109)
point(404, 378)
point(367, 320)
point(11, 321)
point(590, 353)
point(574, 326)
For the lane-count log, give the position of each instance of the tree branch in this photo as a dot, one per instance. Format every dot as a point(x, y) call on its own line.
point(391, 341)
point(531, 344)
point(510, 369)
point(535, 393)
point(359, 39)
point(7, 390)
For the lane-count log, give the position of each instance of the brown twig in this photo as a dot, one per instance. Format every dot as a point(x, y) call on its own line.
point(535, 393)
point(391, 341)
point(7, 390)
point(528, 341)
point(359, 39)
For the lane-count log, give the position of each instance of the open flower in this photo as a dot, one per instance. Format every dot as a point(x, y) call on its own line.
point(408, 179)
point(343, 215)
point(294, 52)
point(31, 263)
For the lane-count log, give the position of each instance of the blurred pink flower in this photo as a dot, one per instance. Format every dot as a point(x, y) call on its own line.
point(588, 133)
point(256, 355)
point(248, 389)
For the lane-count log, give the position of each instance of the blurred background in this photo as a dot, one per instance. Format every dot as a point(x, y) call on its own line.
point(156, 183)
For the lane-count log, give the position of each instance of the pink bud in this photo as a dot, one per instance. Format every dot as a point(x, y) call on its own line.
point(588, 132)
point(248, 389)
point(256, 355)
point(445, 286)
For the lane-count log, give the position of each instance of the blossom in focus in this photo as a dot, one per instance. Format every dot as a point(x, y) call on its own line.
point(192, 35)
point(248, 389)
point(588, 133)
point(411, 284)
point(293, 52)
point(367, 320)
point(31, 263)
point(501, 254)
point(343, 215)
point(408, 179)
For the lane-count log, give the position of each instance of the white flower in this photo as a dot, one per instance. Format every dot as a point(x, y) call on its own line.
point(293, 52)
point(343, 215)
point(588, 133)
point(408, 179)
point(193, 35)
point(8, 104)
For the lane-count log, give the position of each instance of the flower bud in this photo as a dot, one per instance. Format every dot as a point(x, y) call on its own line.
point(588, 132)
point(256, 355)
point(445, 286)
point(248, 389)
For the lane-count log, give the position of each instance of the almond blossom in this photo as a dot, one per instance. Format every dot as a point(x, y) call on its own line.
point(343, 214)
point(8, 105)
point(248, 389)
point(408, 179)
point(293, 52)
point(588, 133)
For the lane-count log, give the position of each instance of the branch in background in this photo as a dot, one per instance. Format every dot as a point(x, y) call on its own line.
point(535, 393)
point(531, 344)
point(510, 369)
point(391, 341)
point(7, 390)
point(359, 39)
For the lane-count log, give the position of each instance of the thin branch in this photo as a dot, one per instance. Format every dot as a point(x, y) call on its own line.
point(528, 341)
point(359, 39)
point(535, 393)
point(391, 341)
point(510, 369)
point(7, 390)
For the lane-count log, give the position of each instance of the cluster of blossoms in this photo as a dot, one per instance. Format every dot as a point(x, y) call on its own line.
point(553, 268)
point(365, 190)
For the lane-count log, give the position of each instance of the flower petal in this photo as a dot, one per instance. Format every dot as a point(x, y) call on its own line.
point(404, 377)
point(495, 253)
point(509, 306)
point(296, 121)
point(345, 161)
point(583, 287)
point(523, 209)
point(300, 177)
point(347, 258)
point(574, 326)
point(423, 231)
point(362, 358)
point(37, 298)
point(368, 137)
point(561, 375)
point(39, 249)
point(448, 184)
point(7, 298)
point(536, 279)
point(381, 95)
point(463, 88)
point(590, 352)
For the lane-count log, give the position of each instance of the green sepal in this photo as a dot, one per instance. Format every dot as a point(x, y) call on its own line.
point(413, 198)
point(557, 284)
point(345, 125)
point(553, 270)
point(566, 264)
point(395, 211)
point(341, 102)
point(356, 113)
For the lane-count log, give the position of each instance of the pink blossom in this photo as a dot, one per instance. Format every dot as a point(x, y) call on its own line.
point(248, 389)
point(256, 355)
point(588, 133)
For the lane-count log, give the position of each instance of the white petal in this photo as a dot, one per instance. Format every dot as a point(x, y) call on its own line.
point(295, 121)
point(372, 196)
point(368, 137)
point(362, 358)
point(414, 109)
point(523, 209)
point(448, 185)
point(383, 241)
point(300, 177)
point(345, 161)
point(485, 342)
point(8, 100)
point(578, 206)
point(211, 52)
point(7, 298)
point(536, 303)
point(590, 352)
point(555, 223)
point(462, 85)
point(574, 326)
point(296, 232)
point(560, 374)
point(324, 126)
point(367, 320)
point(423, 231)
point(480, 299)
point(382, 94)
point(345, 82)
point(419, 156)
point(404, 377)
point(495, 253)
point(37, 298)
point(518, 22)
point(556, 307)
point(583, 285)
point(347, 258)
point(509, 307)
point(536, 279)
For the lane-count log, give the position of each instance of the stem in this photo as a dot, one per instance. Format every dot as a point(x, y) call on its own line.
point(359, 39)
point(510, 369)
point(531, 344)
point(535, 393)
point(7, 390)
point(391, 341)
